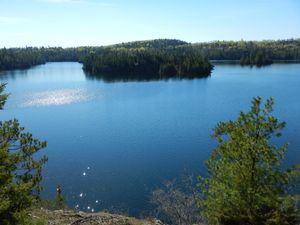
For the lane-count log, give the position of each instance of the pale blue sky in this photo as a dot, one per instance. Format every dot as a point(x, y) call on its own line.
point(102, 22)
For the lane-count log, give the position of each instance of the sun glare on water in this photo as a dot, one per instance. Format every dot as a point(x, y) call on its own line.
point(56, 97)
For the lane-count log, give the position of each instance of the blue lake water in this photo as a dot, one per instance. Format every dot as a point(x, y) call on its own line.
point(111, 144)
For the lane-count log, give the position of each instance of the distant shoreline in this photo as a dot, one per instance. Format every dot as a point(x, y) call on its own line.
point(161, 56)
point(237, 61)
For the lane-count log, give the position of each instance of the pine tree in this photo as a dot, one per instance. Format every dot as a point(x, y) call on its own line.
point(20, 171)
point(3, 97)
point(246, 183)
point(59, 199)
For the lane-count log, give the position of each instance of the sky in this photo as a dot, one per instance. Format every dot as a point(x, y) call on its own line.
point(71, 23)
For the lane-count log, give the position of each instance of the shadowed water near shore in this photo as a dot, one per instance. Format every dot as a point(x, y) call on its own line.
point(111, 143)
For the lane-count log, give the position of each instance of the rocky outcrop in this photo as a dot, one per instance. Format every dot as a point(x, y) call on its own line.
point(68, 217)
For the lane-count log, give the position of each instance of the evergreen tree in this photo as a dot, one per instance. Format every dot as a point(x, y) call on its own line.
point(20, 171)
point(246, 183)
point(59, 199)
point(3, 97)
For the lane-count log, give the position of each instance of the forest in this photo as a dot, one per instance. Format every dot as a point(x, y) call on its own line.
point(24, 58)
point(252, 52)
point(146, 63)
point(157, 59)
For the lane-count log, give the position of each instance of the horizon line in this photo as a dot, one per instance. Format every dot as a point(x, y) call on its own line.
point(125, 42)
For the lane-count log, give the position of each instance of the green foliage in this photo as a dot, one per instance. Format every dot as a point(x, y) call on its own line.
point(246, 183)
point(3, 97)
point(157, 43)
point(20, 58)
point(24, 58)
point(258, 59)
point(251, 52)
point(124, 55)
point(20, 171)
point(147, 63)
point(59, 199)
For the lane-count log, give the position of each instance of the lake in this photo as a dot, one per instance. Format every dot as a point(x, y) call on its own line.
point(111, 144)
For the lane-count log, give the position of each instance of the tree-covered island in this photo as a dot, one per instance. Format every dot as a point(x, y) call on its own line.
point(147, 63)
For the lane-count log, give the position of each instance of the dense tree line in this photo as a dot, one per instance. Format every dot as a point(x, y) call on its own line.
point(161, 54)
point(251, 52)
point(20, 58)
point(24, 58)
point(146, 63)
point(157, 43)
point(258, 59)
point(65, 54)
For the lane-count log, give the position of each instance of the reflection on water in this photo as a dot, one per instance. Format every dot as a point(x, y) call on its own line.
point(126, 77)
point(56, 97)
point(13, 74)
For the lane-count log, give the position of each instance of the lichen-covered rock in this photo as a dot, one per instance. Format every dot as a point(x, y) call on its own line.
point(68, 217)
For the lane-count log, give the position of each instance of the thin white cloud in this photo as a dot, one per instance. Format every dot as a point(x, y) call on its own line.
point(65, 1)
point(104, 4)
point(12, 19)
